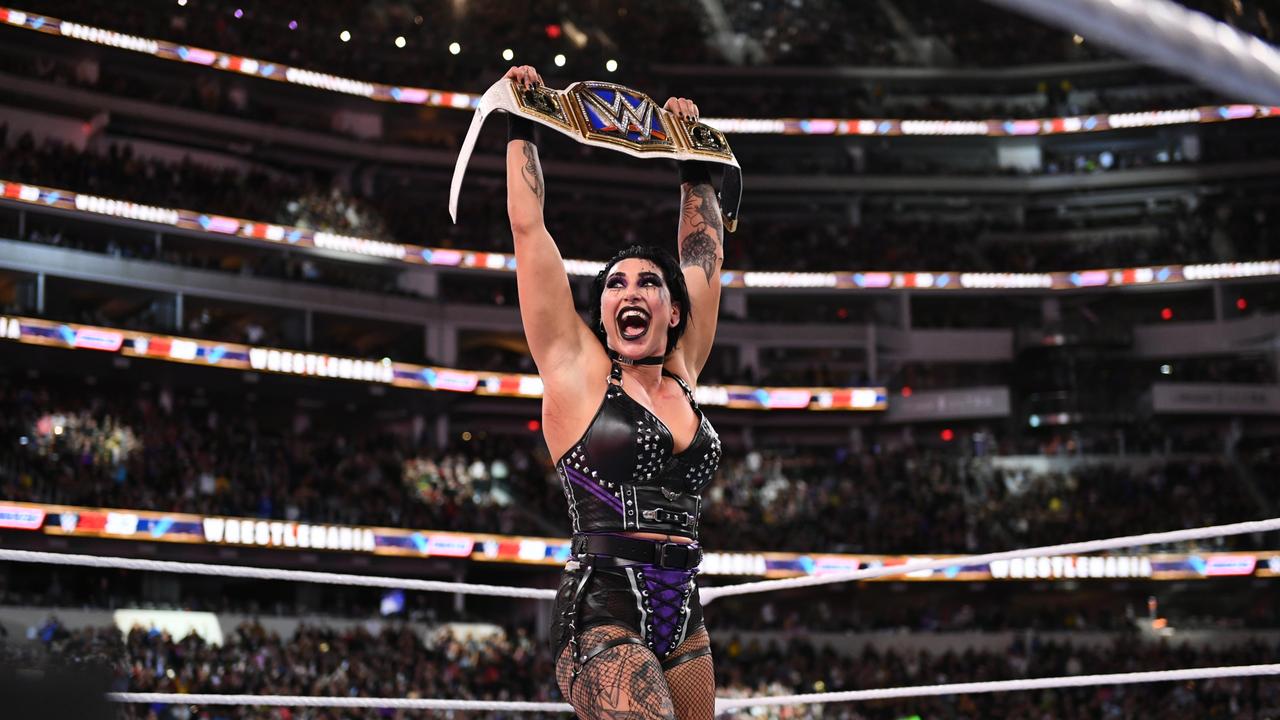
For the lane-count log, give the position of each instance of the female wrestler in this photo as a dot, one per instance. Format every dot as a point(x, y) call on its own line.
point(634, 451)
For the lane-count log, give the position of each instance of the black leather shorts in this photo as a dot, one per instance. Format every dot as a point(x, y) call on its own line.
point(660, 605)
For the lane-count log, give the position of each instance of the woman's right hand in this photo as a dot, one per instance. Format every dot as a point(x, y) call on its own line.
point(526, 75)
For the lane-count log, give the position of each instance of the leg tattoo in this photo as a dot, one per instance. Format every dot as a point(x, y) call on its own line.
point(622, 683)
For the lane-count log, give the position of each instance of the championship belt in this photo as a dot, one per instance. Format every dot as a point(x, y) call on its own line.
point(613, 117)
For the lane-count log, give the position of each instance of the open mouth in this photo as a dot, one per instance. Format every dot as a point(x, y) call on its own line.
point(633, 322)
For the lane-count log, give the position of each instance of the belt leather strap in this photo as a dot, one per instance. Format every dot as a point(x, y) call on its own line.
point(613, 117)
point(675, 556)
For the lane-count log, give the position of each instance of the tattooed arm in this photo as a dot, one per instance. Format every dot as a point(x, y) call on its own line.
point(552, 327)
point(700, 239)
point(701, 242)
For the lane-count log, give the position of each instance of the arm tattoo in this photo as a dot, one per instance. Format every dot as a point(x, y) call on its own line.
point(532, 171)
point(700, 212)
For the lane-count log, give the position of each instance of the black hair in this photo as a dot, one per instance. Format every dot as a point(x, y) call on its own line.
point(675, 285)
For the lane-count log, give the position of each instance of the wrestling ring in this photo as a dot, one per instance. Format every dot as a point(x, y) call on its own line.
point(1157, 31)
point(708, 594)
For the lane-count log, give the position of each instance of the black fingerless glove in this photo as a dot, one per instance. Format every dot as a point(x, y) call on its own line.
point(521, 128)
point(694, 172)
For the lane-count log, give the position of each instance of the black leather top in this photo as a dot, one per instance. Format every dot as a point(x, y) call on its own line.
point(623, 474)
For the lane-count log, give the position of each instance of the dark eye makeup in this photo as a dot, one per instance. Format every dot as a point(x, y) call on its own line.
point(646, 279)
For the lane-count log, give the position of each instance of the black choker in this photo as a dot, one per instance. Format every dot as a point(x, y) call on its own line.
point(651, 360)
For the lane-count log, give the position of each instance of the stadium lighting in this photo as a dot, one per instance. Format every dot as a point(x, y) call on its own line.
point(611, 65)
point(454, 48)
point(344, 36)
point(399, 41)
point(508, 55)
point(559, 60)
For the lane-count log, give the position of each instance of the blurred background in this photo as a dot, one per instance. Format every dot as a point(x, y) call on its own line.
point(995, 286)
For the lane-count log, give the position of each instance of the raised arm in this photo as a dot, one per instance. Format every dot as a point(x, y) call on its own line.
point(551, 325)
point(701, 244)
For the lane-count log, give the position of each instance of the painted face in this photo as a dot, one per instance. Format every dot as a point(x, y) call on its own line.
point(636, 309)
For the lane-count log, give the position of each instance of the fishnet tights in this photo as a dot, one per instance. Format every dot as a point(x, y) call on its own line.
point(693, 683)
point(627, 681)
point(621, 683)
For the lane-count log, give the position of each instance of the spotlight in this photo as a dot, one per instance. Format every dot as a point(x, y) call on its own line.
point(611, 65)
point(454, 48)
point(344, 36)
point(399, 41)
point(559, 60)
point(508, 55)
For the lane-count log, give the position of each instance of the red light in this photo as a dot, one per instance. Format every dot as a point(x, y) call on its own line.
point(553, 31)
point(533, 425)
point(1166, 314)
point(906, 391)
point(1241, 304)
point(842, 313)
point(948, 435)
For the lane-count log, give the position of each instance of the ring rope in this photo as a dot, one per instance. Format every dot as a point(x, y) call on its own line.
point(1076, 548)
point(722, 704)
point(1174, 37)
point(1129, 678)
point(257, 573)
point(706, 594)
point(339, 702)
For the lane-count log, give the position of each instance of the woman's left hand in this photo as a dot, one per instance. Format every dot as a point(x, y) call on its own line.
point(683, 108)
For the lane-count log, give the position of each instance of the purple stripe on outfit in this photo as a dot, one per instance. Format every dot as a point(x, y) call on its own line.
point(586, 483)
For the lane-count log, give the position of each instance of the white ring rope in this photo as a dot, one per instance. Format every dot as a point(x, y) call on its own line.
point(342, 702)
point(257, 573)
point(1130, 678)
point(1077, 548)
point(706, 594)
point(722, 704)
point(1167, 34)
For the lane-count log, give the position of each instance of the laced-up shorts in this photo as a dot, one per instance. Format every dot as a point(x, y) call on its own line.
point(660, 605)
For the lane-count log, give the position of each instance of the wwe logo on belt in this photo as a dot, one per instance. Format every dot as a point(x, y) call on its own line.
point(621, 116)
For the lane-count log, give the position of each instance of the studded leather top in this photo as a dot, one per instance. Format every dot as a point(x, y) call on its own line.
point(623, 474)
